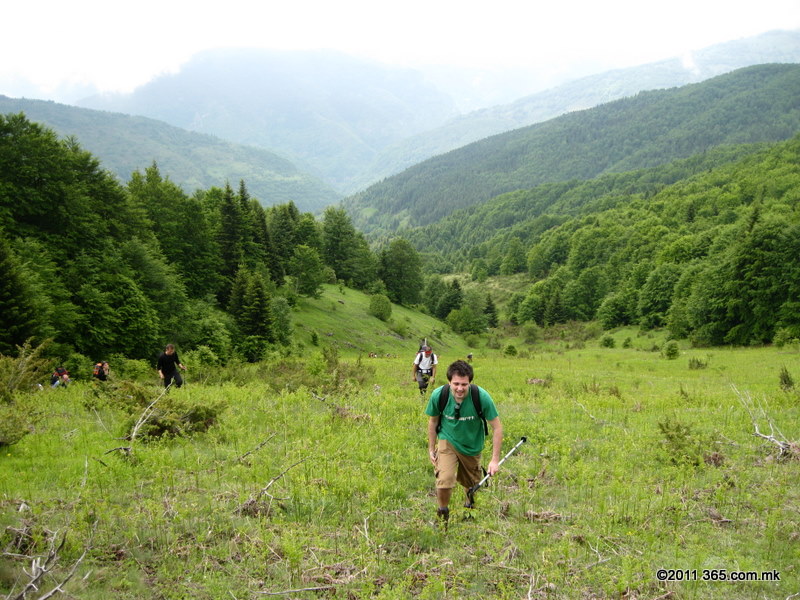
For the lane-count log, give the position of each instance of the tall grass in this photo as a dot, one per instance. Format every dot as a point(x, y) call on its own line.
point(311, 490)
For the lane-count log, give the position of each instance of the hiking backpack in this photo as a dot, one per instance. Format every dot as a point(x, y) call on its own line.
point(444, 396)
point(421, 355)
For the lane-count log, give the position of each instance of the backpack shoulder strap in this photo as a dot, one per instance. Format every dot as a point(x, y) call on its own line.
point(444, 396)
point(476, 400)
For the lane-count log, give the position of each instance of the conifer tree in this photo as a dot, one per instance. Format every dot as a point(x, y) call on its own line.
point(17, 314)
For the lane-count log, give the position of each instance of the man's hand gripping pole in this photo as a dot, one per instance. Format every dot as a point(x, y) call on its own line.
point(471, 491)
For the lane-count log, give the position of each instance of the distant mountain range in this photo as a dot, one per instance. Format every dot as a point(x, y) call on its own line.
point(330, 113)
point(353, 122)
point(311, 126)
point(586, 92)
point(125, 144)
point(754, 104)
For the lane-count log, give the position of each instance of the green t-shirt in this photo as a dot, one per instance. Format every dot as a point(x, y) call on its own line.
point(466, 434)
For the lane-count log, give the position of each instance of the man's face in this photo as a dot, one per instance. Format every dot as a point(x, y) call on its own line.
point(460, 386)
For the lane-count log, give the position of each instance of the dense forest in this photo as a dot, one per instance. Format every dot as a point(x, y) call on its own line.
point(709, 252)
point(103, 269)
point(126, 143)
point(754, 104)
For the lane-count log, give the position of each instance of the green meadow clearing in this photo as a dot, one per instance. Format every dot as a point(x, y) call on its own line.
point(312, 481)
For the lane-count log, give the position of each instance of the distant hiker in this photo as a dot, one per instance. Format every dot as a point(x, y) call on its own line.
point(457, 430)
point(168, 364)
point(469, 357)
point(100, 370)
point(424, 368)
point(60, 377)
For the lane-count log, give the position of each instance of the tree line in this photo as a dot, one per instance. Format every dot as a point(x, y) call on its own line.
point(103, 269)
point(706, 247)
point(750, 105)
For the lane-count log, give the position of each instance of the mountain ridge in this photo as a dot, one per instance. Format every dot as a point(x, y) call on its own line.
point(749, 105)
point(192, 160)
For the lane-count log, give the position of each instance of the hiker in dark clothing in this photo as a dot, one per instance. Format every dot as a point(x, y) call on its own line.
point(168, 364)
point(100, 371)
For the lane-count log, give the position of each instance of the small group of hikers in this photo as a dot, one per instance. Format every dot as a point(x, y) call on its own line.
point(167, 365)
point(460, 414)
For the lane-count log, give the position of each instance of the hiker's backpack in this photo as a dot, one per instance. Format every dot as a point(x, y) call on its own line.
point(98, 368)
point(444, 396)
point(421, 355)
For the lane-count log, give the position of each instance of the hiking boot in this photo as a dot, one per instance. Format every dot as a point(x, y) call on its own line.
point(444, 514)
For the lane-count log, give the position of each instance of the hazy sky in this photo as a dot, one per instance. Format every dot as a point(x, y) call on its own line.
point(117, 45)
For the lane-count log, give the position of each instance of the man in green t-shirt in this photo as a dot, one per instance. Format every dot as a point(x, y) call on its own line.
point(455, 449)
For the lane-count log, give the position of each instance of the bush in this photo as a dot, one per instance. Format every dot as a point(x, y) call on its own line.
point(786, 379)
point(510, 350)
point(23, 373)
point(671, 350)
point(17, 419)
point(607, 342)
point(531, 333)
point(784, 337)
point(696, 363)
point(380, 306)
point(175, 418)
point(686, 447)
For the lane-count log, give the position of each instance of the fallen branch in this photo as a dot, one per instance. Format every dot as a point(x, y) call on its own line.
point(256, 449)
point(308, 589)
point(146, 414)
point(786, 449)
point(42, 566)
point(251, 506)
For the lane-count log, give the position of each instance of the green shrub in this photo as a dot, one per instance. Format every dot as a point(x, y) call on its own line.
point(684, 446)
point(697, 363)
point(510, 350)
point(671, 350)
point(17, 419)
point(607, 341)
point(23, 373)
point(786, 379)
point(380, 306)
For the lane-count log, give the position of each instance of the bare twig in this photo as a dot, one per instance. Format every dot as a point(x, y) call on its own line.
point(256, 449)
point(146, 414)
point(42, 566)
point(253, 501)
point(308, 589)
point(786, 448)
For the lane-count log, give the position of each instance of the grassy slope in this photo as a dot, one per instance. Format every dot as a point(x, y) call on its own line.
point(591, 507)
point(341, 315)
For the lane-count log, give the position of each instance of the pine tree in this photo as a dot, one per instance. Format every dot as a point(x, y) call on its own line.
point(491, 312)
point(17, 314)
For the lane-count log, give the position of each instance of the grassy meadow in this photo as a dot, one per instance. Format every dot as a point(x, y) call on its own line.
point(313, 482)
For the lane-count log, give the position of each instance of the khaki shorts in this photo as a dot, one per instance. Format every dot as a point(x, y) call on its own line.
point(452, 466)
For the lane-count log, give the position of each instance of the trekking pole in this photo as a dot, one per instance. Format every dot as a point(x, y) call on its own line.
point(471, 491)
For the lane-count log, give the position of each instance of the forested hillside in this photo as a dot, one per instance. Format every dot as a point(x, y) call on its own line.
point(583, 93)
point(194, 161)
point(749, 105)
point(711, 256)
point(104, 269)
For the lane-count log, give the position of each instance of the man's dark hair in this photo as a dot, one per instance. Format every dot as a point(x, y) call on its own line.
point(460, 367)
